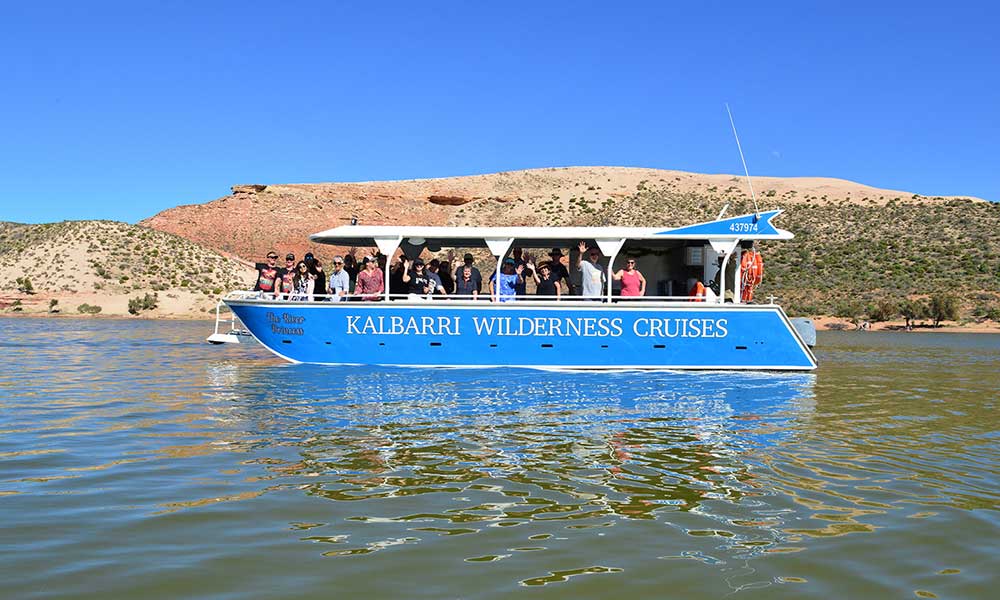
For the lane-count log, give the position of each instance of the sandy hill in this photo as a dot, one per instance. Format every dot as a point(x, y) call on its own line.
point(256, 218)
point(853, 241)
point(106, 263)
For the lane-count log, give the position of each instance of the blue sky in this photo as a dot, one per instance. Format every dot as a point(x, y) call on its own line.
point(118, 110)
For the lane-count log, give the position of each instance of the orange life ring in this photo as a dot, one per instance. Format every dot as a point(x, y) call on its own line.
point(752, 273)
point(697, 292)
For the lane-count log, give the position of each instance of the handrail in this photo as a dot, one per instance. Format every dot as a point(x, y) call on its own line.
point(479, 298)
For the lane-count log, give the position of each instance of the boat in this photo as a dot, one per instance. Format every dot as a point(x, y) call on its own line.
point(665, 330)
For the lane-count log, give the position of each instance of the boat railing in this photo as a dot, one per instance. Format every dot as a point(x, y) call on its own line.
point(477, 298)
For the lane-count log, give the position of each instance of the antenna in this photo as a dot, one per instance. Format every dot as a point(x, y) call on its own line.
point(745, 170)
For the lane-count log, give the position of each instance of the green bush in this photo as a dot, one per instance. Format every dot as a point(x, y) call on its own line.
point(147, 302)
point(88, 309)
point(883, 310)
point(912, 309)
point(943, 307)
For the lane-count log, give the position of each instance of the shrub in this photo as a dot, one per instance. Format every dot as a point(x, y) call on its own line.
point(912, 309)
point(943, 307)
point(147, 302)
point(883, 310)
point(850, 309)
point(88, 309)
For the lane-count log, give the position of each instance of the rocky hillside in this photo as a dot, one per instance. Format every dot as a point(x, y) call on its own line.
point(852, 241)
point(106, 263)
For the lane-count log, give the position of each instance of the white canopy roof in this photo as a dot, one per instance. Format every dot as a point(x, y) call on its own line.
point(746, 227)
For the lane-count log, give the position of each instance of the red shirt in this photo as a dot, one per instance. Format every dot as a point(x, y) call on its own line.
point(370, 283)
point(630, 283)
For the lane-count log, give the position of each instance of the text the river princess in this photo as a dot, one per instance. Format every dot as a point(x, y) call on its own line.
point(629, 308)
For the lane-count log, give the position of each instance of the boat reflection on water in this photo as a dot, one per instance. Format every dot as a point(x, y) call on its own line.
point(577, 445)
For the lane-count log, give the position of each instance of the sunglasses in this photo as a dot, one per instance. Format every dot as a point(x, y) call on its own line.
point(338, 263)
point(630, 262)
point(272, 258)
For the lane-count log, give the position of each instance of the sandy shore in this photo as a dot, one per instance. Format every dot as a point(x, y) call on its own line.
point(833, 323)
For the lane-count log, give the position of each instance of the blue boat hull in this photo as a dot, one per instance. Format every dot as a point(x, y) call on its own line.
point(558, 336)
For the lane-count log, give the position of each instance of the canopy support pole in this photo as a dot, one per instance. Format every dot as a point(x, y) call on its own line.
point(609, 248)
point(387, 246)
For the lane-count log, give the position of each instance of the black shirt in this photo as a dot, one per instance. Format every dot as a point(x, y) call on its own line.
point(417, 283)
point(547, 287)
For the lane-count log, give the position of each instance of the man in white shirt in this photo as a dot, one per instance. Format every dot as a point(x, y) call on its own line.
point(340, 281)
point(592, 274)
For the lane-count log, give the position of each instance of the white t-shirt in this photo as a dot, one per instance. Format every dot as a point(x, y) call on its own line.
point(593, 279)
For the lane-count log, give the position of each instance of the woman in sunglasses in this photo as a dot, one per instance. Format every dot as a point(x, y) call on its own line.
point(303, 283)
point(633, 283)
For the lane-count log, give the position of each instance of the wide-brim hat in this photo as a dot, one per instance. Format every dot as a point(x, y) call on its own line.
point(556, 252)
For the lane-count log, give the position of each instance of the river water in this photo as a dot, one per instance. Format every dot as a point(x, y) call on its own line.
point(136, 461)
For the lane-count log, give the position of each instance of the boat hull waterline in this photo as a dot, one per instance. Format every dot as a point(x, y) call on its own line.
point(554, 336)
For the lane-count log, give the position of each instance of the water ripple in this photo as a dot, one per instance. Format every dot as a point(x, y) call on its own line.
point(130, 446)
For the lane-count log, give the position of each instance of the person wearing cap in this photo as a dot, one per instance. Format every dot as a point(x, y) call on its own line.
point(416, 280)
point(286, 278)
point(559, 270)
point(433, 268)
point(476, 275)
point(592, 275)
point(503, 288)
point(371, 280)
point(340, 281)
point(267, 274)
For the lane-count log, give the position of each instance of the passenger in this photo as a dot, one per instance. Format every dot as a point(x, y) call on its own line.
point(340, 281)
point(476, 275)
point(444, 271)
point(302, 283)
point(316, 270)
point(371, 281)
point(437, 286)
point(267, 274)
point(559, 270)
point(417, 281)
point(592, 275)
point(546, 284)
point(510, 275)
point(397, 287)
point(518, 255)
point(352, 269)
point(465, 287)
point(286, 278)
point(633, 283)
